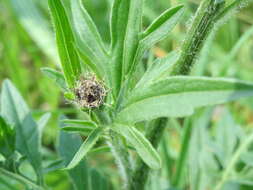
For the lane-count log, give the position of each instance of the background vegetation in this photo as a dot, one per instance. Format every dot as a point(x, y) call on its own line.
point(215, 153)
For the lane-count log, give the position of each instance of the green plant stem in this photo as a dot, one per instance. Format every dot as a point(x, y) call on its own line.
point(183, 155)
point(201, 27)
point(122, 156)
point(21, 179)
point(233, 161)
point(154, 134)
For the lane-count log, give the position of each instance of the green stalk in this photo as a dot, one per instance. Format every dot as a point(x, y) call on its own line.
point(234, 160)
point(202, 25)
point(154, 134)
point(121, 155)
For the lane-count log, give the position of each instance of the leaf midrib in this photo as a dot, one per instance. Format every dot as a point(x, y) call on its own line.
point(161, 95)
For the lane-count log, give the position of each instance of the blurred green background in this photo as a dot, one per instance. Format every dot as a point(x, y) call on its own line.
point(27, 44)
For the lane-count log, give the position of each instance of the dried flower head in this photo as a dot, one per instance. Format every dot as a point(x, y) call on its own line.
point(89, 92)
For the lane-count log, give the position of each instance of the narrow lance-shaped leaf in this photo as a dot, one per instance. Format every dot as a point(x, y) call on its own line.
point(83, 130)
point(158, 30)
point(86, 30)
point(84, 123)
point(90, 46)
point(179, 96)
point(67, 147)
point(162, 25)
point(17, 113)
point(56, 76)
point(160, 67)
point(65, 42)
point(125, 27)
point(85, 147)
point(141, 144)
point(83, 126)
point(133, 29)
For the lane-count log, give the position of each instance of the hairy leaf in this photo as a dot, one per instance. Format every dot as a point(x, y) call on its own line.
point(85, 147)
point(125, 27)
point(179, 96)
point(84, 123)
point(89, 42)
point(65, 42)
point(158, 30)
point(160, 67)
point(56, 76)
point(141, 144)
point(68, 145)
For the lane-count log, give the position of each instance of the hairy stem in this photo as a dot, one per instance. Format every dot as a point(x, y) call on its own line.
point(202, 25)
point(154, 134)
point(121, 155)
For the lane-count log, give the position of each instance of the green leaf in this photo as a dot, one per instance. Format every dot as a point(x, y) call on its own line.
point(85, 147)
point(158, 30)
point(29, 15)
point(7, 138)
point(141, 144)
point(160, 67)
point(179, 96)
point(65, 43)
point(162, 25)
point(56, 76)
point(91, 63)
point(53, 166)
point(125, 28)
point(89, 46)
point(83, 123)
point(17, 113)
point(98, 181)
point(133, 29)
point(68, 145)
point(83, 130)
point(86, 31)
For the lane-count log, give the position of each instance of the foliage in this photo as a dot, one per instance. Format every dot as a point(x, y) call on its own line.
point(152, 118)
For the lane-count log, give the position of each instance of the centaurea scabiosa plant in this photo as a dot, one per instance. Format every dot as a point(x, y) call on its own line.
point(100, 79)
